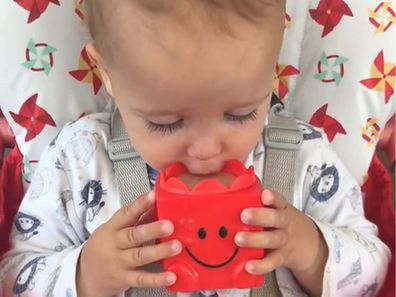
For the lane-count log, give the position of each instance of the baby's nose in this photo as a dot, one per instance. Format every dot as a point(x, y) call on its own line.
point(204, 148)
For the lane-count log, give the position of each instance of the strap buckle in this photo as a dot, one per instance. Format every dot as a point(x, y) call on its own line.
point(282, 131)
point(121, 149)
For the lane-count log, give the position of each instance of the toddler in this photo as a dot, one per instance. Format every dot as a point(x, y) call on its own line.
point(192, 81)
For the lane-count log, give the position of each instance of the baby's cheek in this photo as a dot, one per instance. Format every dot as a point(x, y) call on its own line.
point(159, 156)
point(241, 144)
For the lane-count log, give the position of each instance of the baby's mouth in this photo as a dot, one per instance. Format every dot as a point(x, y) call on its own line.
point(204, 170)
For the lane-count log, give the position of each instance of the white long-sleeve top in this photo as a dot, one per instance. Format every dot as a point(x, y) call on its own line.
point(74, 191)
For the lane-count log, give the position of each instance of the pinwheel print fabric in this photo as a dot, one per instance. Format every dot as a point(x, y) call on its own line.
point(336, 71)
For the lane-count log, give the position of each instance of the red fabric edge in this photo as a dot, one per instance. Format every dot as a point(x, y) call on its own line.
point(379, 209)
point(11, 193)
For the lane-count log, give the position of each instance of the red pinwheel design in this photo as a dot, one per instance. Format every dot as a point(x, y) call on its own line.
point(329, 14)
point(87, 72)
point(382, 77)
point(35, 7)
point(330, 125)
point(281, 79)
point(32, 117)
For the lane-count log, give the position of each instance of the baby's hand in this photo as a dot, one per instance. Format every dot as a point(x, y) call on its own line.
point(291, 239)
point(110, 260)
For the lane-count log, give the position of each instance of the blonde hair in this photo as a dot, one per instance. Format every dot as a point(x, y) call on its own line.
point(253, 11)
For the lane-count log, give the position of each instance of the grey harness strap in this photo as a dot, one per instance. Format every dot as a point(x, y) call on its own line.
point(282, 140)
point(130, 169)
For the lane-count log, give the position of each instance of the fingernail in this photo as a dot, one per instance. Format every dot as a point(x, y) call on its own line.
point(266, 192)
point(175, 246)
point(245, 216)
point(170, 279)
point(267, 197)
point(150, 196)
point(239, 239)
point(167, 227)
point(249, 267)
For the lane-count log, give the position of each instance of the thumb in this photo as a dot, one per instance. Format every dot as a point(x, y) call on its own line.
point(273, 199)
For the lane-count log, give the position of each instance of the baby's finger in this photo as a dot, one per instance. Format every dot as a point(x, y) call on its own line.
point(129, 214)
point(140, 256)
point(143, 279)
point(149, 216)
point(137, 235)
point(264, 240)
point(265, 217)
point(273, 199)
point(271, 261)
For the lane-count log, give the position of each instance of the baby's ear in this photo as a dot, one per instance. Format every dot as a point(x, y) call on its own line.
point(97, 59)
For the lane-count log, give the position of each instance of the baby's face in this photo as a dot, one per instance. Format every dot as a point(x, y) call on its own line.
point(193, 96)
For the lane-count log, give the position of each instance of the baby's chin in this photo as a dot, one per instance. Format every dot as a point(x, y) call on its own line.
point(191, 180)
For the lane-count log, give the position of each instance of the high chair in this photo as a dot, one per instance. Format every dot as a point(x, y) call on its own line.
point(336, 71)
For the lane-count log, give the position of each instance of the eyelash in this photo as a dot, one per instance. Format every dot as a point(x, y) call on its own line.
point(167, 129)
point(164, 128)
point(242, 119)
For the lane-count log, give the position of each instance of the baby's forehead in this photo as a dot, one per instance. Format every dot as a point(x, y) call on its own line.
point(248, 9)
point(111, 16)
point(115, 25)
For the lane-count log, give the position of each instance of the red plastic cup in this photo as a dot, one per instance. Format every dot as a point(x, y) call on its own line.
point(206, 220)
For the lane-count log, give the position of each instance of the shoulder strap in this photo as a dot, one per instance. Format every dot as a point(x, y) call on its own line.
point(130, 169)
point(282, 140)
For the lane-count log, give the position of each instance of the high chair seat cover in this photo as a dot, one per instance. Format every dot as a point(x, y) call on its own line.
point(336, 71)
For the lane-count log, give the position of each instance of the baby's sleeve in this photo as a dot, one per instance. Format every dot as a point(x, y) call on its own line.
point(358, 259)
point(46, 238)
